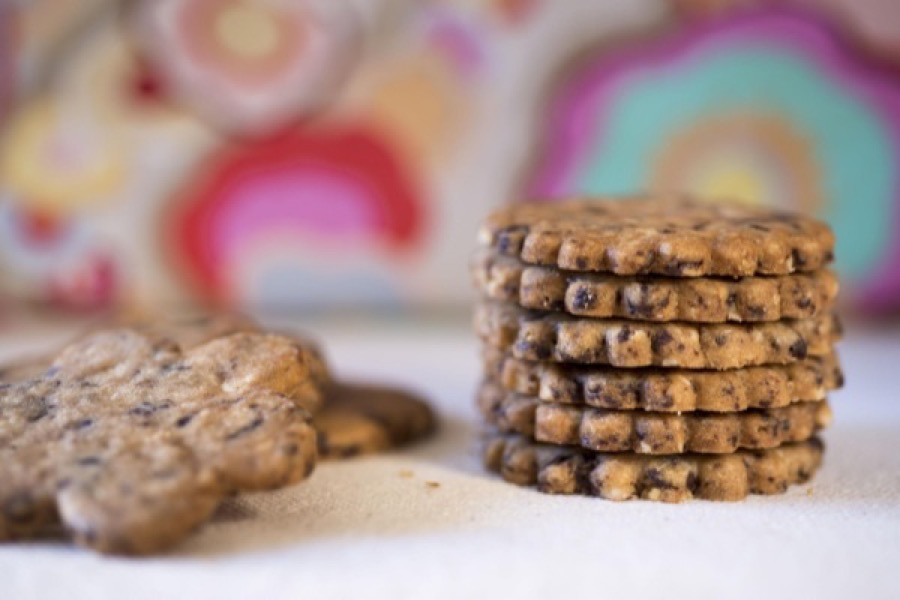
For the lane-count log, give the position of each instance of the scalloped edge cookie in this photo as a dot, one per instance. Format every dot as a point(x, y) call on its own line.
point(557, 337)
point(673, 236)
point(648, 432)
point(702, 300)
point(566, 470)
point(667, 390)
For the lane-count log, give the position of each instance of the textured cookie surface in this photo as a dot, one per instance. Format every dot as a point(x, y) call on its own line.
point(129, 442)
point(667, 390)
point(649, 432)
point(666, 236)
point(706, 300)
point(364, 419)
point(188, 332)
point(567, 470)
point(558, 337)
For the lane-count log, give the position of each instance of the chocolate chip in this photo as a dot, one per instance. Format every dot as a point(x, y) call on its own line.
point(839, 378)
point(625, 334)
point(584, 299)
point(798, 259)
point(183, 421)
point(804, 303)
point(528, 349)
point(88, 461)
point(756, 312)
point(36, 408)
point(174, 367)
point(660, 339)
point(693, 482)
point(721, 339)
point(145, 408)
point(254, 424)
point(581, 263)
point(665, 401)
point(655, 479)
point(798, 349)
point(507, 239)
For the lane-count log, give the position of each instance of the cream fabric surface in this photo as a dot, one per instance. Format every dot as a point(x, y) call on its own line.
point(369, 528)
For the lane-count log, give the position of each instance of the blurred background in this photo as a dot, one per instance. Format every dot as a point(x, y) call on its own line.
point(283, 155)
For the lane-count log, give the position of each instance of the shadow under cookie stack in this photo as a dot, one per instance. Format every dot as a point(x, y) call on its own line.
point(663, 349)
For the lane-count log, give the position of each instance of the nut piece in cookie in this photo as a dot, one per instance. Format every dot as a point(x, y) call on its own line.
point(130, 442)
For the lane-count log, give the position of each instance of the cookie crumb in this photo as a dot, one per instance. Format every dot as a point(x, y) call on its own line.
point(809, 491)
point(406, 474)
point(432, 484)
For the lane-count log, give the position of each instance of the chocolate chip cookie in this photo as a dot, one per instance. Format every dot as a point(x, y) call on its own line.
point(650, 432)
point(694, 299)
point(557, 337)
point(667, 390)
point(676, 478)
point(672, 236)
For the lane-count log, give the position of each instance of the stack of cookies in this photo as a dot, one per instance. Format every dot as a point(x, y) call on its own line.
point(661, 348)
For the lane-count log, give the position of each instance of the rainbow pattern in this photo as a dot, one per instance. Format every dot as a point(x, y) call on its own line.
point(766, 107)
point(254, 227)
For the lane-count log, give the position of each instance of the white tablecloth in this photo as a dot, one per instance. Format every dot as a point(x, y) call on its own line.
point(363, 528)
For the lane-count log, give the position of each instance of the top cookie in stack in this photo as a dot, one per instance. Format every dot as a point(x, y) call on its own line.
point(600, 319)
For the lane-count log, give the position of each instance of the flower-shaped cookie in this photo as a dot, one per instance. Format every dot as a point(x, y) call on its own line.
point(130, 442)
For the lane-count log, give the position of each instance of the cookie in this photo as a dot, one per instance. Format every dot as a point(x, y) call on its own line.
point(667, 390)
point(366, 419)
point(194, 330)
point(664, 236)
point(702, 300)
point(566, 470)
point(557, 337)
point(189, 331)
point(130, 442)
point(648, 432)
